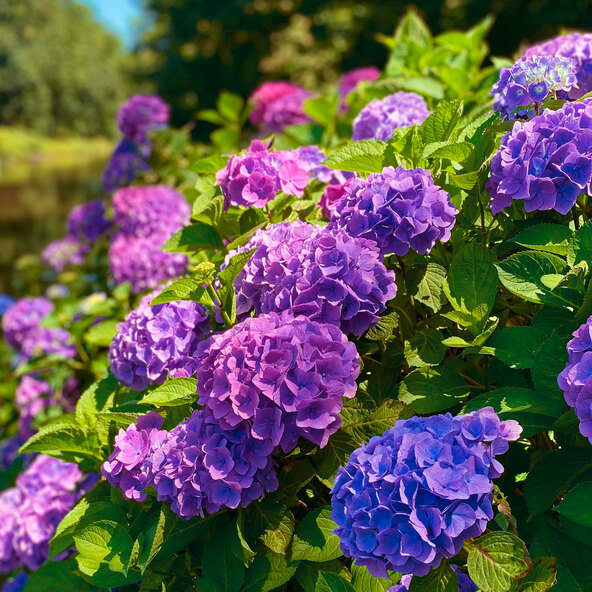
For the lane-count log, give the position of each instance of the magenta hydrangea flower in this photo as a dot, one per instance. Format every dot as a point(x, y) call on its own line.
point(411, 497)
point(125, 164)
point(63, 252)
point(44, 341)
point(330, 198)
point(546, 162)
point(87, 221)
point(577, 47)
point(30, 512)
point(350, 80)
point(277, 105)
point(158, 341)
point(380, 117)
point(255, 178)
point(323, 274)
point(22, 317)
point(576, 379)
point(282, 376)
point(141, 114)
point(142, 262)
point(398, 209)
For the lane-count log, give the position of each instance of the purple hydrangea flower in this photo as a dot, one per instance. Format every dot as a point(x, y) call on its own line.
point(145, 211)
point(529, 82)
point(17, 583)
point(45, 341)
point(576, 379)
point(277, 105)
point(380, 117)
point(403, 585)
point(6, 301)
point(282, 376)
point(255, 178)
point(323, 274)
point(87, 221)
point(30, 512)
point(330, 198)
point(576, 46)
point(312, 158)
point(125, 164)
point(63, 252)
point(398, 209)
point(412, 496)
point(142, 262)
point(158, 341)
point(545, 162)
point(350, 80)
point(141, 114)
point(22, 317)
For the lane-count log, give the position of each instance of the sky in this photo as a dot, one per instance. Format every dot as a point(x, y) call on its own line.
point(119, 16)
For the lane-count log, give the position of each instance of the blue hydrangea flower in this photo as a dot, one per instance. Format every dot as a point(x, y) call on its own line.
point(126, 163)
point(6, 301)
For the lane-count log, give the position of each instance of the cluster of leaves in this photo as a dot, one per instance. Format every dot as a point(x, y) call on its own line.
point(481, 321)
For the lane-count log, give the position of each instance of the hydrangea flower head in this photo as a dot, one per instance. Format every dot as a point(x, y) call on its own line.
point(63, 252)
point(280, 375)
point(155, 342)
point(87, 221)
point(577, 47)
point(412, 496)
point(545, 162)
point(278, 104)
point(321, 273)
point(350, 80)
point(45, 341)
point(529, 82)
point(576, 379)
point(22, 317)
point(380, 117)
point(124, 166)
point(330, 198)
point(398, 209)
point(141, 114)
point(255, 178)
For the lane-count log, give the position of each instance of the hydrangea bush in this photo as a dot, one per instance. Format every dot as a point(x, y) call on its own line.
point(354, 356)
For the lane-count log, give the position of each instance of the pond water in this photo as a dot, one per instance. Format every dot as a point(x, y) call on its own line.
point(34, 207)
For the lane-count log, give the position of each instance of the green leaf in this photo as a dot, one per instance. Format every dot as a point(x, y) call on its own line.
point(334, 455)
point(472, 286)
point(383, 330)
point(226, 293)
point(363, 156)
point(276, 523)
point(576, 504)
point(425, 348)
point(195, 237)
point(516, 346)
point(496, 559)
point(230, 105)
point(439, 125)
point(580, 247)
point(56, 576)
point(101, 334)
point(209, 164)
point(64, 441)
point(314, 539)
point(426, 283)
point(364, 581)
point(322, 109)
point(183, 289)
point(269, 571)
point(222, 557)
point(456, 151)
point(542, 576)
point(440, 579)
point(97, 397)
point(330, 582)
point(175, 391)
point(549, 360)
point(552, 238)
point(363, 422)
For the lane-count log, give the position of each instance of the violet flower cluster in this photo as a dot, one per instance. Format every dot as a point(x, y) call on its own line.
point(279, 376)
point(321, 273)
point(147, 217)
point(380, 117)
point(278, 104)
point(465, 584)
point(46, 341)
point(412, 496)
point(545, 162)
point(256, 177)
point(350, 80)
point(22, 318)
point(87, 222)
point(523, 87)
point(125, 164)
point(30, 512)
point(63, 252)
point(576, 379)
point(398, 209)
point(577, 47)
point(155, 342)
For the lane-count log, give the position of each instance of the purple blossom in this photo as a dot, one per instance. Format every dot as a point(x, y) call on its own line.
point(17, 583)
point(529, 82)
point(576, 379)
point(142, 262)
point(379, 118)
point(279, 376)
point(398, 209)
point(312, 158)
point(255, 178)
point(126, 162)
point(403, 585)
point(545, 162)
point(330, 198)
point(324, 274)
point(350, 80)
point(22, 317)
point(141, 114)
point(412, 496)
point(158, 341)
point(576, 46)
point(278, 104)
point(44, 341)
point(63, 252)
point(465, 584)
point(6, 301)
point(30, 512)
point(87, 221)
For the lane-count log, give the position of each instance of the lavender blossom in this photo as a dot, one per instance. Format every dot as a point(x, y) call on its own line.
point(277, 105)
point(22, 317)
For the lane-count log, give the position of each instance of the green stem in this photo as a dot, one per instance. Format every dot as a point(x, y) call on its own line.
point(214, 295)
point(576, 218)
